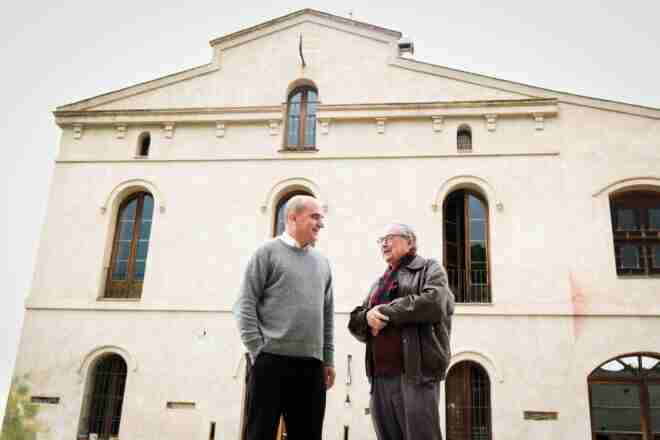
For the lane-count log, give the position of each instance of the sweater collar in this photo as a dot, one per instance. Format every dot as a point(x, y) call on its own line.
point(288, 239)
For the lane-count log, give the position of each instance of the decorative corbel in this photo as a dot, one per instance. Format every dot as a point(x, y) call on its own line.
point(121, 131)
point(491, 122)
point(168, 128)
point(438, 122)
point(539, 118)
point(77, 131)
point(220, 129)
point(274, 127)
point(380, 125)
point(325, 125)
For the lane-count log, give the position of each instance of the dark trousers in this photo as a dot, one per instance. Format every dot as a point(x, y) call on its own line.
point(288, 386)
point(401, 410)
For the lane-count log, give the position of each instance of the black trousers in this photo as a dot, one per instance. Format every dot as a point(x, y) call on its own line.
point(289, 386)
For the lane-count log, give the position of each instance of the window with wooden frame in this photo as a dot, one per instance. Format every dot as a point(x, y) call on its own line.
point(130, 247)
point(466, 236)
point(468, 407)
point(636, 232)
point(301, 119)
point(104, 398)
point(464, 139)
point(280, 216)
point(624, 398)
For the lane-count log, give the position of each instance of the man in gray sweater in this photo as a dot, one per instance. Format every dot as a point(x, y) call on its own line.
point(285, 318)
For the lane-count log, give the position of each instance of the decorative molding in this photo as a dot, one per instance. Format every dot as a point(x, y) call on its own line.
point(325, 125)
point(274, 127)
point(132, 185)
point(482, 359)
point(539, 118)
point(77, 131)
point(380, 125)
point(319, 155)
point(220, 129)
point(630, 182)
point(90, 357)
point(491, 121)
point(287, 185)
point(438, 123)
point(466, 181)
point(330, 112)
point(121, 131)
point(168, 128)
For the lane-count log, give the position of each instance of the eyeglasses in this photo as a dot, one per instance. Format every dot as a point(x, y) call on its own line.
point(387, 239)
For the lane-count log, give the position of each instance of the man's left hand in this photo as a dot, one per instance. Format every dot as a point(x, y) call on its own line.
point(329, 377)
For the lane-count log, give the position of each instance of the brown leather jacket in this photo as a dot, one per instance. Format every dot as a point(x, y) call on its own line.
point(423, 309)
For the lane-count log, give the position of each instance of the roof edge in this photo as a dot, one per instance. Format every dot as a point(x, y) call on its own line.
point(527, 89)
point(326, 15)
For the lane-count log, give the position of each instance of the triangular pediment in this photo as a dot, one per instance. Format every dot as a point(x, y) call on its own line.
point(351, 62)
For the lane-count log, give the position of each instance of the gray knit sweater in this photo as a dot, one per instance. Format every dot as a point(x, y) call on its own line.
point(286, 303)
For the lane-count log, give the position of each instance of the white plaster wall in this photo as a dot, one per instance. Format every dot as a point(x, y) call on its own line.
point(213, 222)
point(171, 359)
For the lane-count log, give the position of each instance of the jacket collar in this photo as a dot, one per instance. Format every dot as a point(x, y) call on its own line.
point(417, 263)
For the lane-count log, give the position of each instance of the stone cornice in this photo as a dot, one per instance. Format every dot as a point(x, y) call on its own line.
point(292, 155)
point(545, 107)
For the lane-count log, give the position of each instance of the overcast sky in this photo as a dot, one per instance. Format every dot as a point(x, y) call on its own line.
point(55, 53)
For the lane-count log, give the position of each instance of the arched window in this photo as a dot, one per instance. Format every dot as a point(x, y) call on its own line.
point(301, 119)
point(130, 247)
point(464, 138)
point(280, 218)
point(624, 398)
point(104, 399)
point(465, 215)
point(467, 394)
point(144, 142)
point(636, 232)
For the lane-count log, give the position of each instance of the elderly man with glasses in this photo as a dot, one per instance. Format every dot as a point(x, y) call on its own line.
point(405, 321)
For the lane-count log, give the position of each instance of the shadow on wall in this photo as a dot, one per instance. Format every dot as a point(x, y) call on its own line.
point(20, 421)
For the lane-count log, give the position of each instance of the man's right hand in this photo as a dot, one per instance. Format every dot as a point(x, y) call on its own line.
point(376, 320)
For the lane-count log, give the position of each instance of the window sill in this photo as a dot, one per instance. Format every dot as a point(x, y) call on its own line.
point(298, 150)
point(490, 304)
point(639, 277)
point(141, 157)
point(103, 299)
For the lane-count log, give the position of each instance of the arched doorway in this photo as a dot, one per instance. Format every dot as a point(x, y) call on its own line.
point(468, 413)
point(624, 398)
point(105, 397)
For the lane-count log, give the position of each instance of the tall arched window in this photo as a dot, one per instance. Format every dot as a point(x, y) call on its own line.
point(105, 398)
point(464, 138)
point(624, 398)
point(636, 232)
point(468, 410)
point(130, 247)
point(465, 214)
point(280, 218)
point(301, 119)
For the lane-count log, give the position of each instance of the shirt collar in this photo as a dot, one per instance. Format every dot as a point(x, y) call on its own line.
point(288, 239)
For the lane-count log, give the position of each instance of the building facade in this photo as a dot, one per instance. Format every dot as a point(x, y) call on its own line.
point(543, 206)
